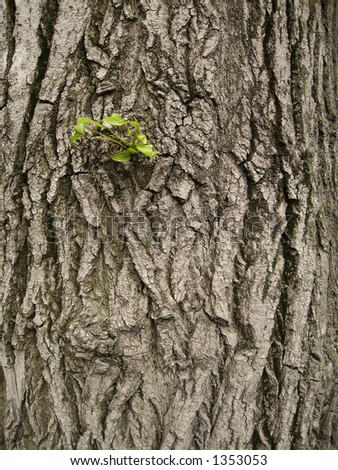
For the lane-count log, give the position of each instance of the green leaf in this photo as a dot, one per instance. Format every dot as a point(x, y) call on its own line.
point(114, 120)
point(122, 156)
point(142, 138)
point(75, 137)
point(85, 120)
point(80, 128)
point(146, 150)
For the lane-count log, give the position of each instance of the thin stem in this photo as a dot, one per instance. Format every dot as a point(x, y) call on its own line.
point(129, 132)
point(119, 137)
point(121, 142)
point(137, 128)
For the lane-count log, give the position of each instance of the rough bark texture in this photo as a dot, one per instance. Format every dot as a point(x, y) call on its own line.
point(186, 303)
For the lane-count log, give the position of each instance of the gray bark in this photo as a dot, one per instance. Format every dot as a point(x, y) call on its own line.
point(186, 303)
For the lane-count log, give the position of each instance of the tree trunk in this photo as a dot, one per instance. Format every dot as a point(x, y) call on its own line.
point(186, 303)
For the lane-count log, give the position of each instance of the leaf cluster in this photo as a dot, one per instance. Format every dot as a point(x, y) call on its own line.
point(130, 140)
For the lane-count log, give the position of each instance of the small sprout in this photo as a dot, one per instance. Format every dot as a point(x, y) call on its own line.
point(132, 141)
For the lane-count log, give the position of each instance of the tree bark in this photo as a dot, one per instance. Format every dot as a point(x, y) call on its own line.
point(186, 303)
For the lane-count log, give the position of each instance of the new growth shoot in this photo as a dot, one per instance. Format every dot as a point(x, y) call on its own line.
point(130, 139)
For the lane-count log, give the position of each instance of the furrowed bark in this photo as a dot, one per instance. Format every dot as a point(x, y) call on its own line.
point(186, 303)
